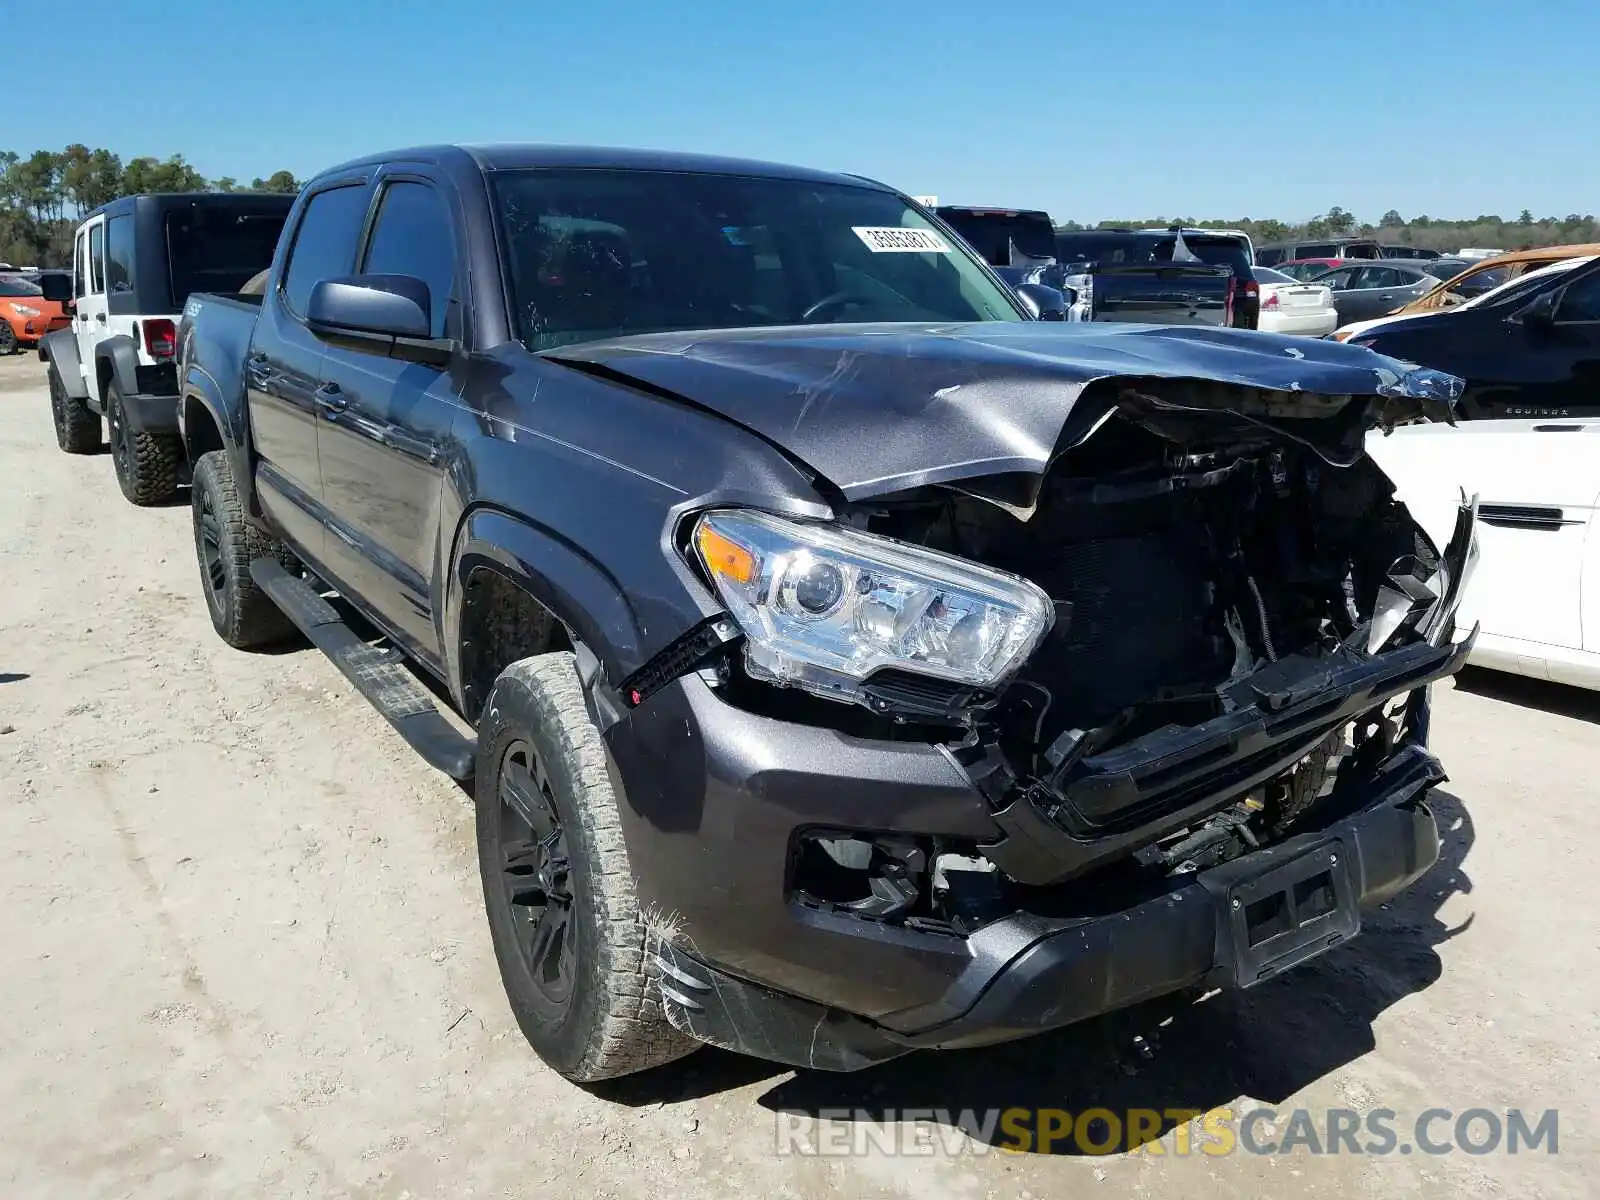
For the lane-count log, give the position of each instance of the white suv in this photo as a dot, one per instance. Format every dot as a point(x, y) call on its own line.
point(134, 263)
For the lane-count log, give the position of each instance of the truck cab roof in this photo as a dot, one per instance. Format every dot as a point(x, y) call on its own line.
point(519, 156)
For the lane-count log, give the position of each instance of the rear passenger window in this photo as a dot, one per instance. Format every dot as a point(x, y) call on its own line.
point(80, 281)
point(325, 242)
point(414, 236)
point(97, 259)
point(1317, 250)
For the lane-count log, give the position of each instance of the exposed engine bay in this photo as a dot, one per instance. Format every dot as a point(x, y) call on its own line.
point(1238, 623)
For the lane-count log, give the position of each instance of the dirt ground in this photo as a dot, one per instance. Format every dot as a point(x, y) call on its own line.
point(243, 949)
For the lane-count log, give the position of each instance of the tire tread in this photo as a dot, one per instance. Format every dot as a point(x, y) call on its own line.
point(624, 1029)
point(250, 618)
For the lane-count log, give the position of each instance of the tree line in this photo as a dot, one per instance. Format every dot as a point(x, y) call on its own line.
point(1522, 232)
point(43, 194)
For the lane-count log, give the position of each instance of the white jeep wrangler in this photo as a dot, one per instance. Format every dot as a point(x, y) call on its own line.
point(134, 263)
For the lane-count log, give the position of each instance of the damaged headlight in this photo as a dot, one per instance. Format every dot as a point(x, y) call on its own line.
point(823, 607)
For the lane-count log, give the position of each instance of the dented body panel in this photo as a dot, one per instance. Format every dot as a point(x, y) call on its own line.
point(877, 409)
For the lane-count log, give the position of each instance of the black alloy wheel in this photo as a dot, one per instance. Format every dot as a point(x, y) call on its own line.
point(536, 878)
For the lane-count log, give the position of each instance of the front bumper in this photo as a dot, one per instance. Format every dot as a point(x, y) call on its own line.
point(1027, 974)
point(716, 800)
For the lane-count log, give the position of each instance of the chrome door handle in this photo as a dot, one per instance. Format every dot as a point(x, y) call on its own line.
point(332, 399)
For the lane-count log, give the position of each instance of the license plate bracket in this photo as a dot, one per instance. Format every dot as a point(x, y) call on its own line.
point(1279, 914)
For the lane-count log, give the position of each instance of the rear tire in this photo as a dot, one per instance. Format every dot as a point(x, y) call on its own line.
point(146, 463)
point(573, 949)
point(226, 544)
point(77, 428)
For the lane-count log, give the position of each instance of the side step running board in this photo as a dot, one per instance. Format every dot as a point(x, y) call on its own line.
point(379, 675)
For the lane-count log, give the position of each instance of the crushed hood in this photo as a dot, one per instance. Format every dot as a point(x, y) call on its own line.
point(876, 409)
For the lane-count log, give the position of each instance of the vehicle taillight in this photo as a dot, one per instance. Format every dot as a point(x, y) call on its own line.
point(1270, 302)
point(160, 338)
point(1227, 304)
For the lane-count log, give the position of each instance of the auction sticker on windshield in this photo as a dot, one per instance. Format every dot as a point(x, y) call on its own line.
point(895, 240)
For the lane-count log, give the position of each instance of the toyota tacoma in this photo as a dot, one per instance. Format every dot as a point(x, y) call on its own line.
point(852, 662)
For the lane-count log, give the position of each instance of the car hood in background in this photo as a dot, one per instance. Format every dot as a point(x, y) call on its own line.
point(881, 408)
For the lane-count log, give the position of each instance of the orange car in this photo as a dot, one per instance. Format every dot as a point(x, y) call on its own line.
point(1491, 273)
point(25, 315)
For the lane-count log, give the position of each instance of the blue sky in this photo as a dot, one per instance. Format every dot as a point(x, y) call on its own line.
point(1092, 110)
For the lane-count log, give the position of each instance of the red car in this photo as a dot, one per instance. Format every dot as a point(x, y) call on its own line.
point(25, 315)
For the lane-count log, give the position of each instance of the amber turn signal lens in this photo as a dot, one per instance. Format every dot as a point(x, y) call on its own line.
point(724, 556)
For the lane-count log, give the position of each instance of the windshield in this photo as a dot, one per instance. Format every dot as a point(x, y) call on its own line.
point(1522, 285)
point(10, 285)
point(214, 250)
point(605, 253)
point(1208, 248)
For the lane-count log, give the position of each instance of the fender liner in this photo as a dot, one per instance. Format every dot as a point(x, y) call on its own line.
point(60, 350)
point(575, 589)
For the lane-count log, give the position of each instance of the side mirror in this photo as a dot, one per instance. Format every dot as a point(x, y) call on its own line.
point(56, 287)
point(387, 315)
point(1044, 303)
point(1540, 312)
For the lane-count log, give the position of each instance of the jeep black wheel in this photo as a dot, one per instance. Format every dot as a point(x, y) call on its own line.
point(225, 545)
point(146, 463)
point(572, 945)
point(77, 429)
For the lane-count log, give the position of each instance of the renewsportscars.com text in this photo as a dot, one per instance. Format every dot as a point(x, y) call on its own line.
point(1172, 1131)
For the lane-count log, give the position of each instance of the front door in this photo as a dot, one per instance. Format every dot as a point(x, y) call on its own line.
point(383, 439)
point(90, 317)
point(284, 367)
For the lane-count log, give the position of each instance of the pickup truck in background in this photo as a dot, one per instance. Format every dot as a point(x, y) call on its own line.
point(135, 262)
point(1157, 277)
point(1165, 277)
point(856, 663)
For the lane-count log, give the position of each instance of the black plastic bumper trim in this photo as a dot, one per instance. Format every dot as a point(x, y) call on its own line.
point(151, 413)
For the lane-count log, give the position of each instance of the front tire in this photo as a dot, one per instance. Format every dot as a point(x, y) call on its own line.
point(225, 543)
point(563, 913)
point(77, 428)
point(8, 339)
point(146, 463)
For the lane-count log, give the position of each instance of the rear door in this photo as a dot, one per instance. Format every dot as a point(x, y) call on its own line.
point(382, 437)
point(284, 367)
point(90, 315)
point(1374, 292)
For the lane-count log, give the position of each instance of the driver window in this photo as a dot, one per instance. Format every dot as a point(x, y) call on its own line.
point(1580, 303)
point(1339, 281)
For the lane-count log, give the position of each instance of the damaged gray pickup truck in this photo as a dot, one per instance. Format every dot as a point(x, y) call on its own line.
point(857, 664)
